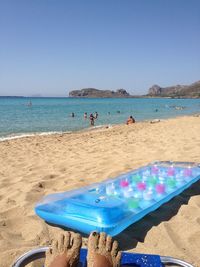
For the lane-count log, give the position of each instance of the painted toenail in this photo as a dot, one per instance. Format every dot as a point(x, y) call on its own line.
point(94, 233)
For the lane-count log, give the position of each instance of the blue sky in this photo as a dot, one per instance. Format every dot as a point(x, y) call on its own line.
point(50, 47)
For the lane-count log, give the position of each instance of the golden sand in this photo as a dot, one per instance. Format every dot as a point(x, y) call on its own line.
point(32, 167)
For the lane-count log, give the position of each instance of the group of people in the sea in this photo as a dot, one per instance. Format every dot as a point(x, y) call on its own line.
point(92, 117)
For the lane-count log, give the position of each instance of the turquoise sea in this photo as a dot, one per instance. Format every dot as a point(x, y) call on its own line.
point(49, 115)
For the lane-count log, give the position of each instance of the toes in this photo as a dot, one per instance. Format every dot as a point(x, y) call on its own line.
point(48, 256)
point(55, 246)
point(102, 240)
point(118, 258)
point(114, 248)
point(108, 243)
point(93, 241)
point(106, 248)
point(49, 252)
point(61, 243)
point(77, 240)
point(66, 242)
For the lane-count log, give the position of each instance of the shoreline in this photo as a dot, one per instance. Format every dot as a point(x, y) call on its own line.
point(35, 166)
point(13, 136)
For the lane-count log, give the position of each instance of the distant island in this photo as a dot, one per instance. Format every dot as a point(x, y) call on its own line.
point(9, 96)
point(93, 93)
point(177, 91)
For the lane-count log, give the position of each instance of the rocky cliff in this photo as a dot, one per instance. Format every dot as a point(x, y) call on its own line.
point(192, 90)
point(177, 91)
point(93, 92)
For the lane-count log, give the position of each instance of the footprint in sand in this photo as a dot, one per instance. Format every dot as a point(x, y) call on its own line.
point(62, 169)
point(10, 201)
point(49, 176)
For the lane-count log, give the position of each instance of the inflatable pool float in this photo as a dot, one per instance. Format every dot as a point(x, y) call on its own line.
point(113, 205)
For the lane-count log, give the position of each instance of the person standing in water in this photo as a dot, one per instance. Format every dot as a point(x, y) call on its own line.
point(85, 115)
point(96, 115)
point(92, 119)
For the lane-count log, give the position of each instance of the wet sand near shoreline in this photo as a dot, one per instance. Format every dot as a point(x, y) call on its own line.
point(35, 166)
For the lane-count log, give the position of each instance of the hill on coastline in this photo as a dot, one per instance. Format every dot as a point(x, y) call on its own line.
point(177, 91)
point(93, 92)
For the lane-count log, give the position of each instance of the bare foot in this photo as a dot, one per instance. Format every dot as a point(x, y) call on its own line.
point(65, 251)
point(102, 252)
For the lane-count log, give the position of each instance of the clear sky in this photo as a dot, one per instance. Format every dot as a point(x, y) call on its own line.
point(50, 47)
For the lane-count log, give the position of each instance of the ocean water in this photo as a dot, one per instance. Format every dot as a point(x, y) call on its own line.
point(49, 115)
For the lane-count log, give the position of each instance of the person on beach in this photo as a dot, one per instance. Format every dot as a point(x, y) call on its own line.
point(85, 115)
point(96, 115)
point(91, 119)
point(65, 252)
point(130, 120)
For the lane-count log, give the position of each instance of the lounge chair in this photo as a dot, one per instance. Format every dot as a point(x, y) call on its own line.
point(128, 259)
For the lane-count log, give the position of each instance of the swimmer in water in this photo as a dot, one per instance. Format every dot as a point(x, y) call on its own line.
point(85, 115)
point(29, 104)
point(96, 115)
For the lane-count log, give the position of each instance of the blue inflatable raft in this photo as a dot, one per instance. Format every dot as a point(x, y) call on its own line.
point(113, 205)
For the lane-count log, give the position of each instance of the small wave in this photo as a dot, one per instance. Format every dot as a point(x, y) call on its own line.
point(102, 126)
point(23, 135)
point(99, 126)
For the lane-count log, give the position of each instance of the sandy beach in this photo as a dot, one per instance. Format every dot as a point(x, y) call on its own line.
point(32, 167)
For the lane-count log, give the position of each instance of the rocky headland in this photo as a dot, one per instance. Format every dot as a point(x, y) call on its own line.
point(93, 92)
point(177, 91)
